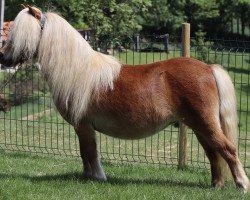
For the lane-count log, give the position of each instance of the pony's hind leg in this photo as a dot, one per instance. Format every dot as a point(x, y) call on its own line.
point(218, 141)
point(92, 168)
point(216, 169)
point(229, 153)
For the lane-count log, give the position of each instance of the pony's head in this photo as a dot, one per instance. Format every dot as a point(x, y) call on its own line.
point(23, 39)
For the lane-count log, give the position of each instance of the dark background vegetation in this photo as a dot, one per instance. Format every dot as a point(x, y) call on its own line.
point(121, 20)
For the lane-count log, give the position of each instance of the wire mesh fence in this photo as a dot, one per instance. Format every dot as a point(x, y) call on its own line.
point(34, 125)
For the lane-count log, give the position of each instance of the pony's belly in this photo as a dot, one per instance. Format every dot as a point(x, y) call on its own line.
point(128, 130)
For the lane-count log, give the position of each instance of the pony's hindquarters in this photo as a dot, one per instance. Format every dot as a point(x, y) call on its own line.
point(229, 122)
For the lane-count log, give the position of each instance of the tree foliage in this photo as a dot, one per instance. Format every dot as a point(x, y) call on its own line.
point(119, 20)
point(114, 20)
point(111, 20)
point(242, 12)
point(163, 16)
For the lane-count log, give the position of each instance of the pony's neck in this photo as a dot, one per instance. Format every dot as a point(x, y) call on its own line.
point(74, 71)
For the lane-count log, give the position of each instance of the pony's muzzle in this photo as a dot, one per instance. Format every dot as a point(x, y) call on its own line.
point(4, 61)
point(1, 56)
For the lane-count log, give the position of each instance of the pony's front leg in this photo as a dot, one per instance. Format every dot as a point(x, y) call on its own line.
point(88, 149)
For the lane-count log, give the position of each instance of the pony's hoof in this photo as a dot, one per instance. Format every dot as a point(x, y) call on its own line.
point(101, 178)
point(97, 177)
point(218, 184)
point(247, 190)
point(245, 187)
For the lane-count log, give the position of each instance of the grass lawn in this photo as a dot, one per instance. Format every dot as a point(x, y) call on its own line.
point(25, 176)
point(35, 126)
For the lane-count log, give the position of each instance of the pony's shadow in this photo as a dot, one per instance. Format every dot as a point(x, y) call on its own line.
point(75, 176)
point(158, 182)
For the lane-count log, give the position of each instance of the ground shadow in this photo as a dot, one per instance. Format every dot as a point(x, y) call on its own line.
point(246, 89)
point(238, 70)
point(158, 182)
point(76, 176)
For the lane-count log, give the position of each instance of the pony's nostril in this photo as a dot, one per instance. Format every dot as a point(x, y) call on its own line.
point(1, 57)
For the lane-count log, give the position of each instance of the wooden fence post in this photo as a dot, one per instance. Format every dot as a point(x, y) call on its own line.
point(183, 128)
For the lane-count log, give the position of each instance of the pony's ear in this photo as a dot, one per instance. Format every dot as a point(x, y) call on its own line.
point(35, 12)
point(23, 6)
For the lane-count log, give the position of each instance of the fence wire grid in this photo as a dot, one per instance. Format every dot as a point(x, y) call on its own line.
point(33, 124)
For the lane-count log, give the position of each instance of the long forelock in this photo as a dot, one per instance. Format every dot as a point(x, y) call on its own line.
point(24, 36)
point(72, 68)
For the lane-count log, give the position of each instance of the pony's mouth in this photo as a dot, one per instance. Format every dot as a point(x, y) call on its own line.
point(9, 62)
point(4, 61)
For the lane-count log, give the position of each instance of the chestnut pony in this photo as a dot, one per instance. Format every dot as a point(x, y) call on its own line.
point(93, 91)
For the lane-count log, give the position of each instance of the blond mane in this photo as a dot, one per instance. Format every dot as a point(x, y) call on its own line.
point(74, 71)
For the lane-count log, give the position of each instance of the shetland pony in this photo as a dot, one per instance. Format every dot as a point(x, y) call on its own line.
point(93, 91)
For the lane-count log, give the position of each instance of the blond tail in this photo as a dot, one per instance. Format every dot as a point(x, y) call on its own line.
point(228, 111)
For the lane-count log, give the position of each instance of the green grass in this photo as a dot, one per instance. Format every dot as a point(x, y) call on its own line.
point(24, 177)
point(48, 133)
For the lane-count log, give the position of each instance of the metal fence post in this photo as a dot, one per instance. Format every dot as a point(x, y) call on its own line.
point(166, 42)
point(138, 43)
point(2, 3)
point(182, 159)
